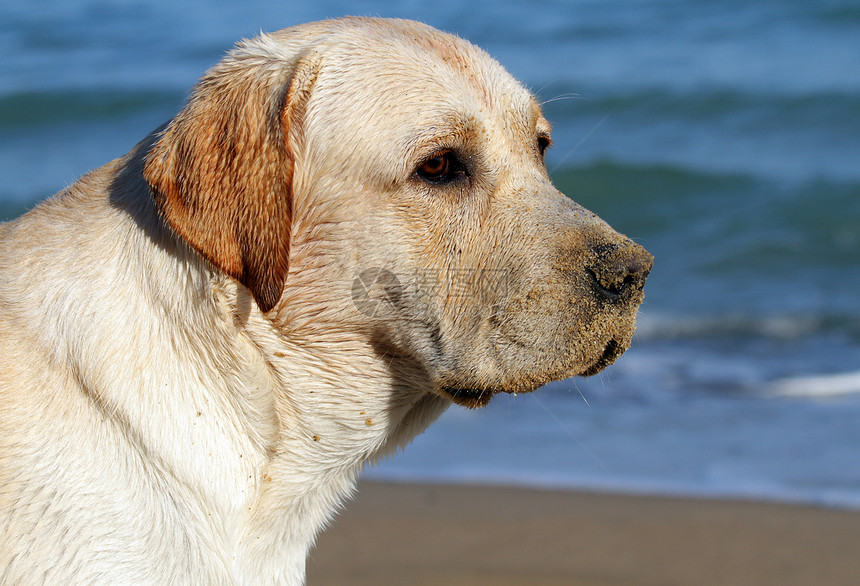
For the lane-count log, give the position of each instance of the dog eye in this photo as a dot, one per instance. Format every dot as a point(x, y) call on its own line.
point(441, 168)
point(543, 143)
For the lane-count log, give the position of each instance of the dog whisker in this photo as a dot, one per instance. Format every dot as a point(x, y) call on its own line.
point(586, 450)
point(562, 97)
point(581, 142)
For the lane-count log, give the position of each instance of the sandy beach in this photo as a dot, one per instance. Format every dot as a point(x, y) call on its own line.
point(471, 535)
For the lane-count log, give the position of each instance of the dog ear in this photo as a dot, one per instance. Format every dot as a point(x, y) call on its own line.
point(221, 171)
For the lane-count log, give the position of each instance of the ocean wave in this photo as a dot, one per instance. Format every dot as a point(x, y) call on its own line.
point(798, 135)
point(755, 235)
point(840, 14)
point(663, 326)
point(753, 109)
point(614, 176)
point(680, 194)
point(816, 386)
point(641, 183)
point(34, 109)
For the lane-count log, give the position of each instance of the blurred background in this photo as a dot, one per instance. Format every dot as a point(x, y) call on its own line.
point(723, 135)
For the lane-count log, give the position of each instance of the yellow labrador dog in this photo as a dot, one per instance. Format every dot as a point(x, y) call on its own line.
point(347, 228)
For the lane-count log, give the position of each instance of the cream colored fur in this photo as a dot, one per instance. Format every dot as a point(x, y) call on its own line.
point(187, 389)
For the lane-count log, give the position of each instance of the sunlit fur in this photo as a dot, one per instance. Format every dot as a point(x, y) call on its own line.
point(188, 389)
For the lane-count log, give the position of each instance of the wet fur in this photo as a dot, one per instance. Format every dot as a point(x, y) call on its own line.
point(188, 389)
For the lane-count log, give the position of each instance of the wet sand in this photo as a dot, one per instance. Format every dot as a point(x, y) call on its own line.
point(403, 534)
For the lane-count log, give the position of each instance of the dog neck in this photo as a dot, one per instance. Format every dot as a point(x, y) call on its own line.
point(339, 404)
point(262, 432)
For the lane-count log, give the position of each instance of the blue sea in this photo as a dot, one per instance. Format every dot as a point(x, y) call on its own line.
point(724, 135)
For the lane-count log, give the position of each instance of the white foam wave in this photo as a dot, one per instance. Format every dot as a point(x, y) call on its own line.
point(826, 385)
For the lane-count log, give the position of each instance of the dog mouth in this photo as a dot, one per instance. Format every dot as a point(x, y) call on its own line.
point(476, 398)
point(471, 398)
point(610, 354)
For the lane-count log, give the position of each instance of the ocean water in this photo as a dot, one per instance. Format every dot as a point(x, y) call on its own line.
point(722, 135)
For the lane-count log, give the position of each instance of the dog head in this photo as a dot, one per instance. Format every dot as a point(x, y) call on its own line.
point(382, 180)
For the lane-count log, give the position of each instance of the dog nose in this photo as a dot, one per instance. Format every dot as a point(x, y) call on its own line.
point(618, 272)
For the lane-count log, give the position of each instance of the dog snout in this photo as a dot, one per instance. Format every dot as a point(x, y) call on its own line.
point(618, 272)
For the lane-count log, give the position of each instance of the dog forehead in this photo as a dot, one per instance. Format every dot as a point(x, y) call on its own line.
point(398, 75)
point(376, 58)
point(393, 52)
point(444, 65)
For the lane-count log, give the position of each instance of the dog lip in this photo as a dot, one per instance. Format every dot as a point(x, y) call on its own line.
point(610, 354)
point(472, 398)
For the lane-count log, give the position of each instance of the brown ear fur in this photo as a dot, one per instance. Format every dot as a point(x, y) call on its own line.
point(221, 172)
